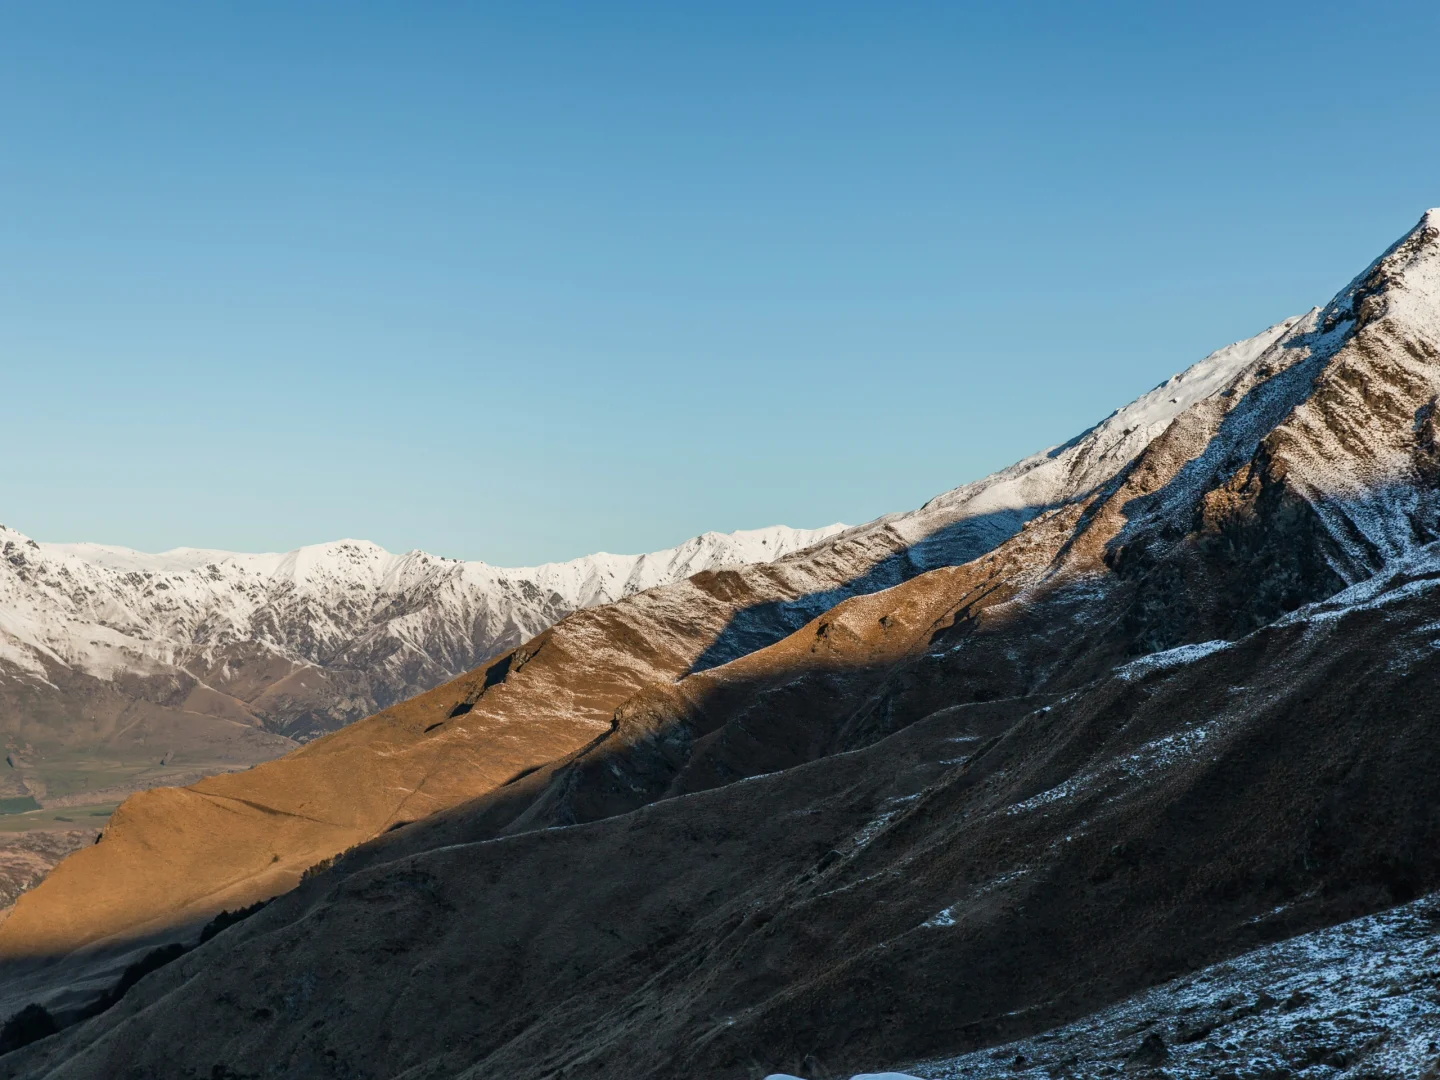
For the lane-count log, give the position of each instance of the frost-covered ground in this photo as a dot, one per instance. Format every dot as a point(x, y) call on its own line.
point(1361, 999)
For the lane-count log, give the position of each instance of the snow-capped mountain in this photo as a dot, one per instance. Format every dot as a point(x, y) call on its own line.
point(306, 641)
point(310, 639)
point(1142, 704)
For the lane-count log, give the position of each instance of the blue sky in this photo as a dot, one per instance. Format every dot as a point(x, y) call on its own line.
point(523, 281)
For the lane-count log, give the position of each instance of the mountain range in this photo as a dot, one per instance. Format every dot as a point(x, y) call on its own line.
point(1141, 706)
point(121, 670)
point(304, 642)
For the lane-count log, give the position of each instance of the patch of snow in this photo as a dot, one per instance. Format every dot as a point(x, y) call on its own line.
point(943, 917)
point(1170, 658)
point(1407, 576)
point(1149, 758)
point(946, 916)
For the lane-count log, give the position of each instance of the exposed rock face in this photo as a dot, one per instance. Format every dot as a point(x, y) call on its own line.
point(1134, 706)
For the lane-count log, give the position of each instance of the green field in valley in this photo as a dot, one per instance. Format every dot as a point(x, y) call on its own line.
point(58, 818)
point(96, 783)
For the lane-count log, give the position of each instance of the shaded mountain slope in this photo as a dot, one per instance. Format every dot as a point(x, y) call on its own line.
point(988, 803)
point(1355, 999)
point(945, 888)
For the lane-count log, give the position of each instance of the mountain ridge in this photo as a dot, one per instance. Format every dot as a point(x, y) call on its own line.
point(574, 682)
point(1149, 700)
point(409, 620)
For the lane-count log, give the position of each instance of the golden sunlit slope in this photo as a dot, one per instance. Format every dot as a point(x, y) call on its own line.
point(175, 856)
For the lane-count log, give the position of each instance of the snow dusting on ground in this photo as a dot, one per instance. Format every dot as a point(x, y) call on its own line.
point(1357, 1000)
point(1159, 661)
point(1361, 999)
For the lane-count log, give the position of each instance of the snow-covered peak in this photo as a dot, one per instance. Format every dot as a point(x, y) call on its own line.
point(1410, 265)
point(103, 610)
point(1363, 379)
point(962, 523)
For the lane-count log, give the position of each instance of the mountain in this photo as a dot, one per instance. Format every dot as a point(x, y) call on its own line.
point(1143, 703)
point(295, 644)
point(121, 670)
point(557, 693)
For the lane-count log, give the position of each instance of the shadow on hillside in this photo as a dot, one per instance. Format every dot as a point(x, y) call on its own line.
point(919, 871)
point(1263, 407)
point(959, 542)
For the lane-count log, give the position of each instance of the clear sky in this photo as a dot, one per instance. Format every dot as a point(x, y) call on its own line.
point(523, 281)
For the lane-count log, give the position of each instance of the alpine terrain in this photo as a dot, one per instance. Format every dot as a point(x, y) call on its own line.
point(121, 671)
point(301, 643)
point(1119, 761)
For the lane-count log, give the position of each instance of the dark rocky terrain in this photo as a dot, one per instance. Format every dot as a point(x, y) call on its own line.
point(1358, 999)
point(901, 798)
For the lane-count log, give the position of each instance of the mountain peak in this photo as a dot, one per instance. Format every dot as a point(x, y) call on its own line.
point(1404, 283)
